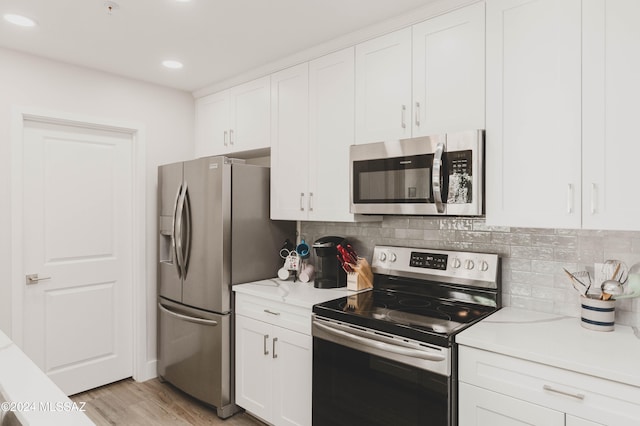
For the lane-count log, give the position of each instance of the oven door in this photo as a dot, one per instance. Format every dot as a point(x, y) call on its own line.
point(364, 378)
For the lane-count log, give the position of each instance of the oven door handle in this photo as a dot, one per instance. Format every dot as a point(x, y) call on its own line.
point(381, 345)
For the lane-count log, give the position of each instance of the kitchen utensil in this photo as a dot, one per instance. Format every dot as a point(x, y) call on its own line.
point(615, 270)
point(610, 289)
point(633, 284)
point(577, 281)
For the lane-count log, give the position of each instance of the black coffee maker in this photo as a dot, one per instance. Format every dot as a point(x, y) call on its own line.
point(328, 272)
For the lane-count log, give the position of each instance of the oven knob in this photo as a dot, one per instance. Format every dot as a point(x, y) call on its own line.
point(455, 263)
point(484, 266)
point(392, 257)
point(382, 256)
point(468, 264)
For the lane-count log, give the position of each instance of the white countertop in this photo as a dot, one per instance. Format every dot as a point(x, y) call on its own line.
point(559, 341)
point(296, 293)
point(30, 394)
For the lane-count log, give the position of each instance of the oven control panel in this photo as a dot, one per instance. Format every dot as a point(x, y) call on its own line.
point(428, 260)
point(469, 268)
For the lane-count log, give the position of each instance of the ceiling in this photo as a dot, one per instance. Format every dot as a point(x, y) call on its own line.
point(215, 39)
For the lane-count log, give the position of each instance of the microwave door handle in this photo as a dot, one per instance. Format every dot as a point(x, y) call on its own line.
point(436, 178)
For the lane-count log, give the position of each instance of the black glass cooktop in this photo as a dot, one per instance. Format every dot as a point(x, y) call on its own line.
point(419, 317)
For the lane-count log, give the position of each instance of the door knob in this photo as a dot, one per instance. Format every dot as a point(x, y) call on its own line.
point(34, 279)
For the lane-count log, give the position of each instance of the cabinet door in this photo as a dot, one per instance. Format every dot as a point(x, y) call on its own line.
point(254, 378)
point(251, 120)
point(533, 133)
point(212, 124)
point(611, 89)
point(383, 88)
point(290, 143)
point(480, 407)
point(448, 72)
point(331, 132)
point(576, 421)
point(292, 356)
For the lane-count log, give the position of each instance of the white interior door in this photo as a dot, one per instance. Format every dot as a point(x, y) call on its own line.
point(77, 238)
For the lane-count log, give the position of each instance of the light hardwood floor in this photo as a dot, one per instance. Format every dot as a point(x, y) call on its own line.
point(151, 403)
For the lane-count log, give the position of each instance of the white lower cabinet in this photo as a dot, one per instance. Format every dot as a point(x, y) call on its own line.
point(478, 406)
point(273, 363)
point(495, 390)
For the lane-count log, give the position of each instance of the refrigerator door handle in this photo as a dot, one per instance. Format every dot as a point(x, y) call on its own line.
point(179, 229)
point(174, 238)
point(187, 230)
point(195, 320)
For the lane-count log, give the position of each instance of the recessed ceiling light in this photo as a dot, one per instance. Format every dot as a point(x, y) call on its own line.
point(23, 21)
point(172, 64)
point(183, 1)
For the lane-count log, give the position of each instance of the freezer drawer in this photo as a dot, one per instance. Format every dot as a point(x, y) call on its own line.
point(194, 353)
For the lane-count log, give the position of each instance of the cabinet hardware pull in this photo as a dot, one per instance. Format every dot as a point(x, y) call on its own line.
point(403, 112)
point(302, 201)
point(418, 114)
point(225, 138)
point(569, 198)
point(275, 355)
point(572, 395)
point(594, 194)
point(271, 312)
point(311, 201)
point(230, 136)
point(266, 351)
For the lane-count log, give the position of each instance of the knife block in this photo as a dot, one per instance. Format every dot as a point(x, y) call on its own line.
point(361, 278)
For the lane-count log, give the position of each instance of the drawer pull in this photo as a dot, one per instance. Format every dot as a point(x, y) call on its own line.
point(572, 395)
point(271, 312)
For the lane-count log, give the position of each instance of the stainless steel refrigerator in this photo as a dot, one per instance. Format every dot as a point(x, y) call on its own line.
point(214, 231)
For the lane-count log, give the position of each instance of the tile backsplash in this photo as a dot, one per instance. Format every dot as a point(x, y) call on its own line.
point(532, 259)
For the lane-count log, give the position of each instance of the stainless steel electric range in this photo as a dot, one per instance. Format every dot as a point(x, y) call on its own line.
point(388, 355)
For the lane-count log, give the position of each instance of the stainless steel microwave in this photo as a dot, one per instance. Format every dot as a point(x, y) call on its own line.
point(433, 175)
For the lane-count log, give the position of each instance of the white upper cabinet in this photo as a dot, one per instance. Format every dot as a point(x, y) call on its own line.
point(448, 72)
point(212, 124)
point(562, 110)
point(611, 90)
point(235, 120)
point(331, 132)
point(423, 80)
point(290, 198)
point(383, 88)
point(312, 129)
point(533, 132)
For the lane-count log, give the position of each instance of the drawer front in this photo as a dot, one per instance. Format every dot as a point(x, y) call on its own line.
point(290, 317)
point(599, 400)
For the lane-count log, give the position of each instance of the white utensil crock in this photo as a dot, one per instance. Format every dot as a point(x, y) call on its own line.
point(596, 314)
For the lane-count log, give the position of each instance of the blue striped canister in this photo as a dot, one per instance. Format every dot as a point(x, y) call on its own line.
point(597, 314)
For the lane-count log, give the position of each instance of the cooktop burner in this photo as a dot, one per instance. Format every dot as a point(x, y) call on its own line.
point(427, 296)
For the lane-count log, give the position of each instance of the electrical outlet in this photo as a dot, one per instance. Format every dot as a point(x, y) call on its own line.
point(598, 276)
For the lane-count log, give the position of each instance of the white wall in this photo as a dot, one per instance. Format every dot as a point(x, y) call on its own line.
point(167, 115)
